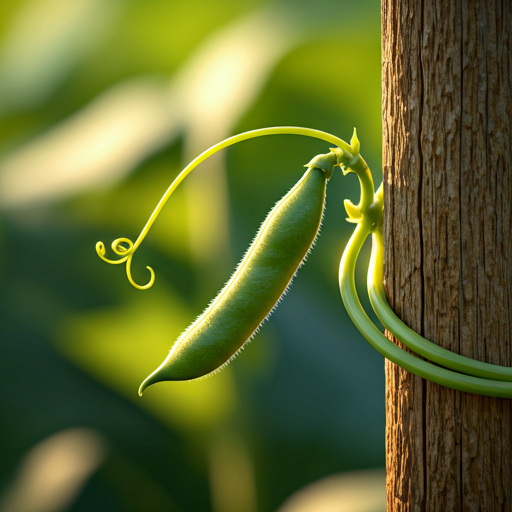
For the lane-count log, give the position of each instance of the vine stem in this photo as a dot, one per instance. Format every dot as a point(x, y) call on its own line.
point(127, 252)
point(278, 130)
point(424, 369)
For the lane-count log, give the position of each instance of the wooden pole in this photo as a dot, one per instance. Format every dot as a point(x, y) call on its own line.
point(447, 157)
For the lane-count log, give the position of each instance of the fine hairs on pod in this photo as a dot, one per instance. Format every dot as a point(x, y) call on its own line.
point(257, 285)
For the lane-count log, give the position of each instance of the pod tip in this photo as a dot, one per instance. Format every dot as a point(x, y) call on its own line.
point(146, 383)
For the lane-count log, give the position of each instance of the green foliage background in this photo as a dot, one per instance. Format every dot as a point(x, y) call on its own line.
point(306, 397)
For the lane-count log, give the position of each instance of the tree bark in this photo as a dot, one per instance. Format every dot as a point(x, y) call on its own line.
point(447, 163)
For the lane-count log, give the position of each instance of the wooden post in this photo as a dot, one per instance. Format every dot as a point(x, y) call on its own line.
point(447, 133)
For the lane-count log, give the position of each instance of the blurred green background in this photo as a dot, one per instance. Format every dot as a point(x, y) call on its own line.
point(102, 102)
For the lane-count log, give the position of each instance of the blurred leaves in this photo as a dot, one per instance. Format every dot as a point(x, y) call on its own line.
point(55, 471)
point(361, 491)
point(45, 40)
point(101, 104)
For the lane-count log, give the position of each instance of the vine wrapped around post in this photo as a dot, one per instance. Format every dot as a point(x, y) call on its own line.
point(279, 249)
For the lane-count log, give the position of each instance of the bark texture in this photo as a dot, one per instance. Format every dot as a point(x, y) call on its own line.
point(447, 157)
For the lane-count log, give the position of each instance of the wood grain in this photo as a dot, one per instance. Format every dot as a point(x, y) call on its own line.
point(447, 158)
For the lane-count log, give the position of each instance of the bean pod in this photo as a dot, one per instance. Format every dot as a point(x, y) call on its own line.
point(258, 283)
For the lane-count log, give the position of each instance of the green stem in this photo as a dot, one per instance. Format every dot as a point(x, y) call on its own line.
point(278, 130)
point(413, 340)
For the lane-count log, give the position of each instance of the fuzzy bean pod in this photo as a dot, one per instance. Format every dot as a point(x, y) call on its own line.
point(258, 283)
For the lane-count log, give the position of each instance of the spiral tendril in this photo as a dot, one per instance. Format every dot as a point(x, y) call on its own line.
point(127, 256)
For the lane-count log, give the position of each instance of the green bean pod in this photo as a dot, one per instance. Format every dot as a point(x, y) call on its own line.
point(258, 283)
